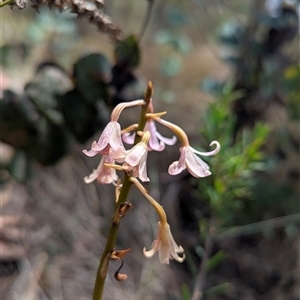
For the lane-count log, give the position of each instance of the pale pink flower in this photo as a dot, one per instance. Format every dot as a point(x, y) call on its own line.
point(135, 161)
point(157, 142)
point(109, 143)
point(190, 161)
point(165, 245)
point(103, 174)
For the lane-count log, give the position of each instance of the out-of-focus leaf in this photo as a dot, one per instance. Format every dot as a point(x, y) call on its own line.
point(20, 166)
point(163, 37)
point(210, 85)
point(13, 53)
point(179, 42)
point(127, 86)
point(171, 65)
point(186, 293)
point(220, 186)
point(231, 34)
point(215, 260)
point(127, 53)
point(25, 129)
point(52, 145)
point(52, 23)
point(184, 45)
point(292, 74)
point(168, 96)
point(82, 118)
point(133, 90)
point(203, 226)
point(218, 290)
point(49, 82)
point(92, 75)
point(121, 78)
point(175, 16)
point(232, 60)
point(18, 120)
point(199, 251)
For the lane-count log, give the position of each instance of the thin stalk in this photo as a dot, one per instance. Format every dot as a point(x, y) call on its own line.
point(258, 227)
point(200, 279)
point(114, 228)
point(143, 117)
point(147, 18)
point(110, 243)
point(4, 3)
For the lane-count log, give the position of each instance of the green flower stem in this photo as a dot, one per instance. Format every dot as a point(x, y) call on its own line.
point(158, 208)
point(2, 4)
point(110, 243)
point(143, 118)
point(113, 232)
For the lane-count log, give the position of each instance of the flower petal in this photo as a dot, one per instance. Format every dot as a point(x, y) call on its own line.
point(105, 136)
point(143, 168)
point(178, 166)
point(91, 177)
point(164, 254)
point(90, 153)
point(195, 165)
point(96, 147)
point(118, 154)
point(210, 153)
point(175, 249)
point(135, 154)
point(103, 174)
point(151, 252)
point(168, 141)
point(128, 138)
point(165, 244)
point(155, 145)
point(115, 139)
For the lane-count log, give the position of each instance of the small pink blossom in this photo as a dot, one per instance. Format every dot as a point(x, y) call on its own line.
point(190, 161)
point(135, 161)
point(109, 143)
point(165, 245)
point(157, 142)
point(103, 174)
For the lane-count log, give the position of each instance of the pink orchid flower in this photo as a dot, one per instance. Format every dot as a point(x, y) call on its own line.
point(157, 142)
point(190, 161)
point(109, 143)
point(135, 161)
point(165, 245)
point(103, 174)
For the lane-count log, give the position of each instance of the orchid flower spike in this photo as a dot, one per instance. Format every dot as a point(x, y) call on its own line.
point(165, 245)
point(103, 174)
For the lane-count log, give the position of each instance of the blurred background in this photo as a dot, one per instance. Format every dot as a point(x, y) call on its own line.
point(223, 70)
